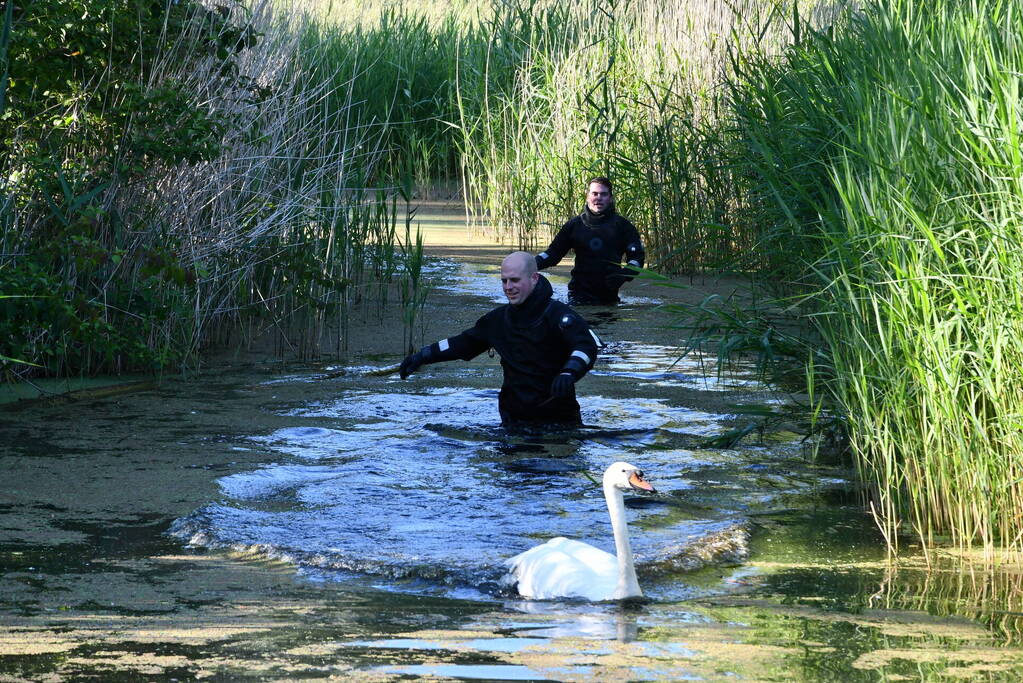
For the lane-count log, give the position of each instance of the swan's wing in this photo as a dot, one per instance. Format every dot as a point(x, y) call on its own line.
point(563, 568)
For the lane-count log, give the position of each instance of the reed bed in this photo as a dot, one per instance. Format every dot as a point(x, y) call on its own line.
point(523, 99)
point(272, 228)
point(630, 90)
point(865, 160)
point(886, 154)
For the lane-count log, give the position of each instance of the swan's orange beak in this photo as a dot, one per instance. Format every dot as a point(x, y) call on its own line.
point(637, 481)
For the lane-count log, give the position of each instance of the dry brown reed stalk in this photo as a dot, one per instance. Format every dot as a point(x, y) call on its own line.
point(274, 225)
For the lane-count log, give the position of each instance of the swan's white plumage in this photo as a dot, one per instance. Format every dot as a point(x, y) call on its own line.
point(564, 568)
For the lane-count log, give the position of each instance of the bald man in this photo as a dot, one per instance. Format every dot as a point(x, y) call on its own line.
point(545, 348)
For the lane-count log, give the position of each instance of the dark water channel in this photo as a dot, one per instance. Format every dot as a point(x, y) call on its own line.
point(398, 502)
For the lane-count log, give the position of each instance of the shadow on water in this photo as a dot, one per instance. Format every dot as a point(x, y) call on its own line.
point(598, 319)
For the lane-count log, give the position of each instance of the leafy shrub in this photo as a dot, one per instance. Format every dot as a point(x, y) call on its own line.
point(87, 111)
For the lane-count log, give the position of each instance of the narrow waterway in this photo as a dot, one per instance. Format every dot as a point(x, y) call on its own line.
point(416, 484)
point(274, 521)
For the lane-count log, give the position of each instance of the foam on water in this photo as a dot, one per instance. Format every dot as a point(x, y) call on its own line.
point(444, 504)
point(272, 481)
point(664, 366)
point(383, 411)
point(650, 414)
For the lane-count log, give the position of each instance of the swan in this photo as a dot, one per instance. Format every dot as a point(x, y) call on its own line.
point(563, 568)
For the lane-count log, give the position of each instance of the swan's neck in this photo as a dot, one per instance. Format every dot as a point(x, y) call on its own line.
point(628, 585)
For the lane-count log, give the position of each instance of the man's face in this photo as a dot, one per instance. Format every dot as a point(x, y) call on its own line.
point(517, 285)
point(598, 198)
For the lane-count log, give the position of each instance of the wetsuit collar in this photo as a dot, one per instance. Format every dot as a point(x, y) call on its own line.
point(591, 219)
point(535, 303)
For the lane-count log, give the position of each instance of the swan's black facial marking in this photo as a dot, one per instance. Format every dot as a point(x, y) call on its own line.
point(637, 482)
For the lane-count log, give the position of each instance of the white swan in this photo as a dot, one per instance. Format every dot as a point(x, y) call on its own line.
point(563, 568)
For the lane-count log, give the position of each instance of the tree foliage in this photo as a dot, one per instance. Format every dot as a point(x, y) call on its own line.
point(89, 106)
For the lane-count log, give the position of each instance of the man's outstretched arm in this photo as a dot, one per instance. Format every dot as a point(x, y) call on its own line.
point(464, 346)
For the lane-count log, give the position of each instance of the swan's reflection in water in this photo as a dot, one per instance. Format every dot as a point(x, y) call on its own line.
point(549, 641)
point(616, 622)
point(535, 630)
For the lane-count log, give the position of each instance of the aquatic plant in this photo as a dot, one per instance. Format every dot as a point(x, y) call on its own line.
point(414, 289)
point(212, 195)
point(882, 159)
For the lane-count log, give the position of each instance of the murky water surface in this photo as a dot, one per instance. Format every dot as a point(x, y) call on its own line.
point(400, 501)
point(479, 280)
point(416, 483)
point(447, 501)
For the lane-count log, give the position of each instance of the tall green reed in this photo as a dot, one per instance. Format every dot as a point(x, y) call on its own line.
point(624, 89)
point(885, 154)
point(5, 40)
point(6, 199)
point(396, 73)
point(413, 286)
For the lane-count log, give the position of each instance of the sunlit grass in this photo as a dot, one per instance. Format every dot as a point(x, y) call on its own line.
point(891, 181)
point(525, 99)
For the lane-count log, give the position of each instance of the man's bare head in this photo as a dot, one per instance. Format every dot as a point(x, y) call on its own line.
point(518, 276)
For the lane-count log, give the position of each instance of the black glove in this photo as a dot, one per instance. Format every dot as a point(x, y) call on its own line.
point(411, 363)
point(561, 387)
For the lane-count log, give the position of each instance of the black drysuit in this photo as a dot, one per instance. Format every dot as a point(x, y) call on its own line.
point(537, 340)
point(600, 241)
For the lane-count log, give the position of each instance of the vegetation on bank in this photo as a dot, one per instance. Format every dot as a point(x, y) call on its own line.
point(174, 176)
point(869, 171)
point(888, 177)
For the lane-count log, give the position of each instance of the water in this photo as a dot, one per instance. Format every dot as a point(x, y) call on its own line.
point(420, 486)
point(416, 484)
point(482, 280)
point(327, 521)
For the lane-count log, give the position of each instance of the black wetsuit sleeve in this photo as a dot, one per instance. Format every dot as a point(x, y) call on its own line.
point(464, 346)
point(559, 247)
point(635, 255)
point(582, 342)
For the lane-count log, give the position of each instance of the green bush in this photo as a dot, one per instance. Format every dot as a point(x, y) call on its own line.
point(86, 112)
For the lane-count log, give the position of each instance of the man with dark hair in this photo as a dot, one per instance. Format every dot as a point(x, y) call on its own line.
point(545, 348)
point(600, 238)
